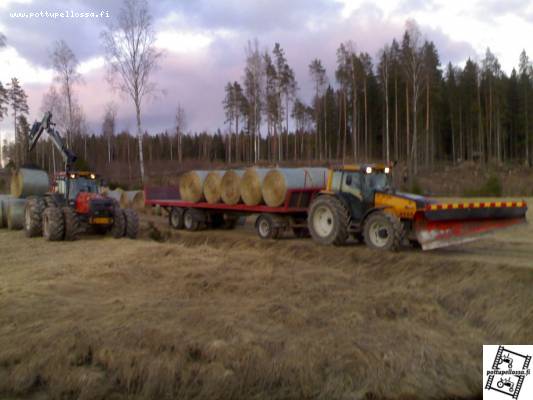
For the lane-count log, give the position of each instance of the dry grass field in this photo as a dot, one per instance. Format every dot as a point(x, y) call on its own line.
point(224, 315)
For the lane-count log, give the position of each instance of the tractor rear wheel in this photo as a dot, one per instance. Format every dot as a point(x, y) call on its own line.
point(328, 220)
point(33, 217)
point(53, 224)
point(383, 231)
point(132, 223)
point(118, 229)
point(72, 224)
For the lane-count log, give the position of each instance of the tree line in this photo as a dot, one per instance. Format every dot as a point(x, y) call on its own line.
point(402, 105)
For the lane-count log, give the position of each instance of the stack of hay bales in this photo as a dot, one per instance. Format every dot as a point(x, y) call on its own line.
point(25, 182)
point(132, 199)
point(115, 194)
point(252, 186)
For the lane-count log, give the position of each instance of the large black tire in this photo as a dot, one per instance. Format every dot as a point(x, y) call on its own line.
point(328, 220)
point(33, 216)
point(53, 224)
point(132, 223)
point(72, 224)
point(175, 217)
point(265, 227)
point(383, 231)
point(118, 229)
point(191, 221)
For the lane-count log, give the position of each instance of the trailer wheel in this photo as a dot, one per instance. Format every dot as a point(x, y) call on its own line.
point(175, 218)
point(190, 222)
point(265, 228)
point(53, 224)
point(383, 231)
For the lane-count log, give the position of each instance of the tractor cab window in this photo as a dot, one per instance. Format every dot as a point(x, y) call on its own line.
point(351, 183)
point(376, 181)
point(81, 185)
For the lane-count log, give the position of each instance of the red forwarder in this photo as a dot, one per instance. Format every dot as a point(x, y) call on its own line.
point(269, 224)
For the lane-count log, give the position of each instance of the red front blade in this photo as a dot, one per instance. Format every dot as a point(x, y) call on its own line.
point(446, 225)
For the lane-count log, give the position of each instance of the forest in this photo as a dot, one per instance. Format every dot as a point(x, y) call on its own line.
point(404, 104)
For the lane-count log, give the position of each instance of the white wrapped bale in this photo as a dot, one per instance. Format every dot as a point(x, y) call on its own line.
point(191, 186)
point(115, 194)
point(251, 186)
point(230, 187)
point(278, 181)
point(29, 182)
point(212, 187)
point(15, 213)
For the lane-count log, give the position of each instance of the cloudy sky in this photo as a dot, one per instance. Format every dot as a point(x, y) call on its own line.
point(204, 41)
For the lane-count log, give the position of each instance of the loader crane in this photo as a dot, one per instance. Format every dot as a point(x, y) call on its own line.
point(74, 204)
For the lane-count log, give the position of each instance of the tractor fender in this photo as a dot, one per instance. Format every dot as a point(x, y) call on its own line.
point(371, 211)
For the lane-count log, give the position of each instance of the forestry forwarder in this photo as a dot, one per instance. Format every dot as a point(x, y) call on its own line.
point(74, 205)
point(360, 201)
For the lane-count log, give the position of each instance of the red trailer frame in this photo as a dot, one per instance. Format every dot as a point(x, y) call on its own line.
point(270, 223)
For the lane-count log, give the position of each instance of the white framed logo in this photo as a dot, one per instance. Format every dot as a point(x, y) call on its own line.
point(507, 373)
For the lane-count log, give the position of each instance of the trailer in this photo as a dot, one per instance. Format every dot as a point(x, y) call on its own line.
point(270, 222)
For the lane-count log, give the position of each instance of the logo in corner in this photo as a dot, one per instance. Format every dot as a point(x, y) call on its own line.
point(509, 371)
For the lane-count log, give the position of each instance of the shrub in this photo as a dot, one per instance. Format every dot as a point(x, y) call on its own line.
point(491, 188)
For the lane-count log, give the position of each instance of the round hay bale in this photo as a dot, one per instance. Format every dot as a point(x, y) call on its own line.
point(15, 213)
point(230, 187)
point(115, 195)
point(126, 198)
point(251, 186)
point(191, 186)
point(212, 187)
point(278, 181)
point(104, 190)
point(29, 182)
point(4, 199)
point(138, 200)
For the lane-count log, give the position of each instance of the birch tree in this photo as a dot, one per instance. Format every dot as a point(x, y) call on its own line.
point(108, 127)
point(132, 58)
point(65, 65)
point(181, 123)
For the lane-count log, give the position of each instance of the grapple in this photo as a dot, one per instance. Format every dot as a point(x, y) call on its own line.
point(441, 225)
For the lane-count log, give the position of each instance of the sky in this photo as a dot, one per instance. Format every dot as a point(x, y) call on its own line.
point(203, 43)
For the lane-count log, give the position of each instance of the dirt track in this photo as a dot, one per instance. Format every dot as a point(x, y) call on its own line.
point(226, 315)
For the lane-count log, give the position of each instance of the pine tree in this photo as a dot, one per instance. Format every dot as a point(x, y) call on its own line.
point(17, 99)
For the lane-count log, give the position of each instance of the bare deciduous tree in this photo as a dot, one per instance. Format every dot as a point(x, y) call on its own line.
point(65, 65)
point(132, 57)
point(108, 126)
point(181, 122)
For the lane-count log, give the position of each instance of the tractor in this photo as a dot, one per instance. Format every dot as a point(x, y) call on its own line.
point(74, 205)
point(360, 201)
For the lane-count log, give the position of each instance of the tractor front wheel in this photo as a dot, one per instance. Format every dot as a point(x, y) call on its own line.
point(383, 231)
point(53, 224)
point(72, 224)
point(118, 229)
point(132, 223)
point(328, 220)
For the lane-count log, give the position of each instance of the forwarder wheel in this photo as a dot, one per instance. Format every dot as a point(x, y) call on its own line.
point(383, 231)
point(33, 216)
point(72, 224)
point(132, 223)
point(328, 220)
point(118, 229)
point(53, 224)
point(175, 217)
point(190, 222)
point(265, 228)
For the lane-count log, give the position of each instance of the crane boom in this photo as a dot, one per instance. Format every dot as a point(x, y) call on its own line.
point(47, 125)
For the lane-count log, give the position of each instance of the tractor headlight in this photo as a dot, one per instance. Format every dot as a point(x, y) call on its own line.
point(368, 170)
point(93, 176)
point(386, 170)
point(72, 176)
